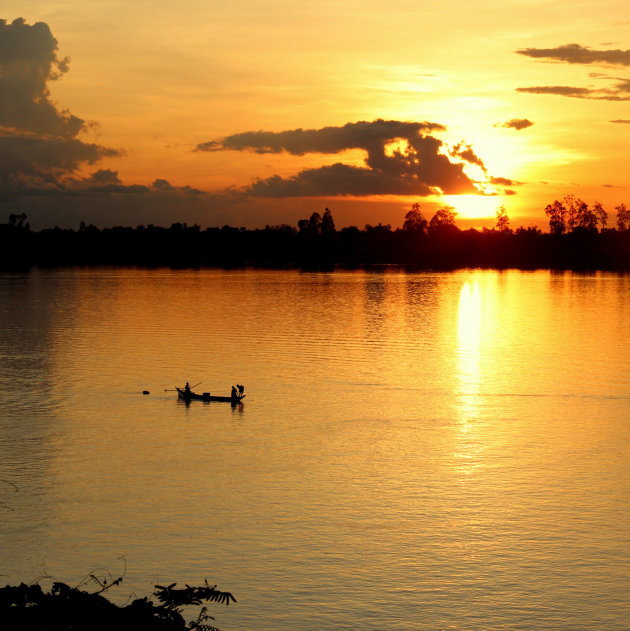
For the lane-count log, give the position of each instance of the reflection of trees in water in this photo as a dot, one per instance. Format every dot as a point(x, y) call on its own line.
point(28, 331)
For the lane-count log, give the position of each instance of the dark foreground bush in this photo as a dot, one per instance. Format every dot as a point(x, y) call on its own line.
point(64, 608)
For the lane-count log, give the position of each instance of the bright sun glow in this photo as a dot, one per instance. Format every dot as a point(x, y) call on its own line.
point(398, 145)
point(474, 206)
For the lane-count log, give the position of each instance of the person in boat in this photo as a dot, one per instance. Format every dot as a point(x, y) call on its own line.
point(187, 389)
point(241, 389)
point(234, 394)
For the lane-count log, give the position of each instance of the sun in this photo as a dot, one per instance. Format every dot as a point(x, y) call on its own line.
point(474, 206)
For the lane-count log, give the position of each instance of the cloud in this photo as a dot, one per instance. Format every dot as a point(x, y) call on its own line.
point(337, 180)
point(39, 144)
point(361, 135)
point(622, 121)
point(28, 60)
point(516, 123)
point(31, 160)
point(102, 198)
point(503, 181)
point(418, 165)
point(576, 54)
point(42, 148)
point(619, 90)
point(466, 152)
point(563, 90)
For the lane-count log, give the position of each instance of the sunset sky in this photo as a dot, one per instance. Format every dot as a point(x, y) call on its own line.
point(254, 113)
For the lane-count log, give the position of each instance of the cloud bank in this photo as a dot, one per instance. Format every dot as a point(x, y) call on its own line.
point(42, 147)
point(402, 158)
point(44, 154)
point(38, 143)
point(619, 90)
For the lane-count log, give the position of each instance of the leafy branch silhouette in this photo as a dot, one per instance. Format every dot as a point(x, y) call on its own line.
point(66, 608)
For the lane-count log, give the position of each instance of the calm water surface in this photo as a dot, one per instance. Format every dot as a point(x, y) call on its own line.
point(416, 451)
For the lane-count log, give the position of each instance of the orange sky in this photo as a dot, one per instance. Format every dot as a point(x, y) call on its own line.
point(152, 83)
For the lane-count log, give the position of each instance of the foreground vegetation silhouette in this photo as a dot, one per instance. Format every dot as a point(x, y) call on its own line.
point(579, 238)
point(64, 608)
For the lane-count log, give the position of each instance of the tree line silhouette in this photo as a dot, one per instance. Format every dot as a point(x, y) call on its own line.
point(579, 238)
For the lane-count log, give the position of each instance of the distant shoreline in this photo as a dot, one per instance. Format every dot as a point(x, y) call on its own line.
point(444, 248)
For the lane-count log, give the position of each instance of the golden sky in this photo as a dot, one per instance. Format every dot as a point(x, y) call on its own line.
point(159, 111)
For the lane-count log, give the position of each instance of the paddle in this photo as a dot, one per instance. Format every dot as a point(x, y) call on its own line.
point(176, 390)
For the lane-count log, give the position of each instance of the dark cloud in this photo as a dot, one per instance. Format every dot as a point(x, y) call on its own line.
point(39, 145)
point(576, 54)
point(466, 152)
point(335, 180)
point(516, 123)
point(103, 181)
point(416, 166)
point(42, 148)
point(162, 185)
point(28, 61)
point(622, 121)
point(361, 135)
point(31, 160)
point(563, 90)
point(619, 90)
point(503, 181)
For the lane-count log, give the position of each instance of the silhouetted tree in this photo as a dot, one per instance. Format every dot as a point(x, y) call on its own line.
point(570, 205)
point(443, 218)
point(601, 214)
point(623, 218)
point(557, 217)
point(327, 222)
point(315, 223)
point(584, 216)
point(18, 220)
point(503, 221)
point(414, 221)
point(318, 245)
point(312, 225)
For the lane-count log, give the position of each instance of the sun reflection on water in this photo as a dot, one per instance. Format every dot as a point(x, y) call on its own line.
point(467, 387)
point(469, 323)
point(469, 331)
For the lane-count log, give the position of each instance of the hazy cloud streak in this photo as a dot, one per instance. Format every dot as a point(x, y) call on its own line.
point(576, 54)
point(619, 93)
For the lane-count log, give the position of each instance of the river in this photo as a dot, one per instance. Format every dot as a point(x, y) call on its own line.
point(416, 451)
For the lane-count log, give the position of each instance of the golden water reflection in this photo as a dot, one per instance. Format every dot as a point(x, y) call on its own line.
point(469, 345)
point(466, 433)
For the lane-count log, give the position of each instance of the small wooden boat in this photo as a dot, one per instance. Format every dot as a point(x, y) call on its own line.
point(206, 396)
